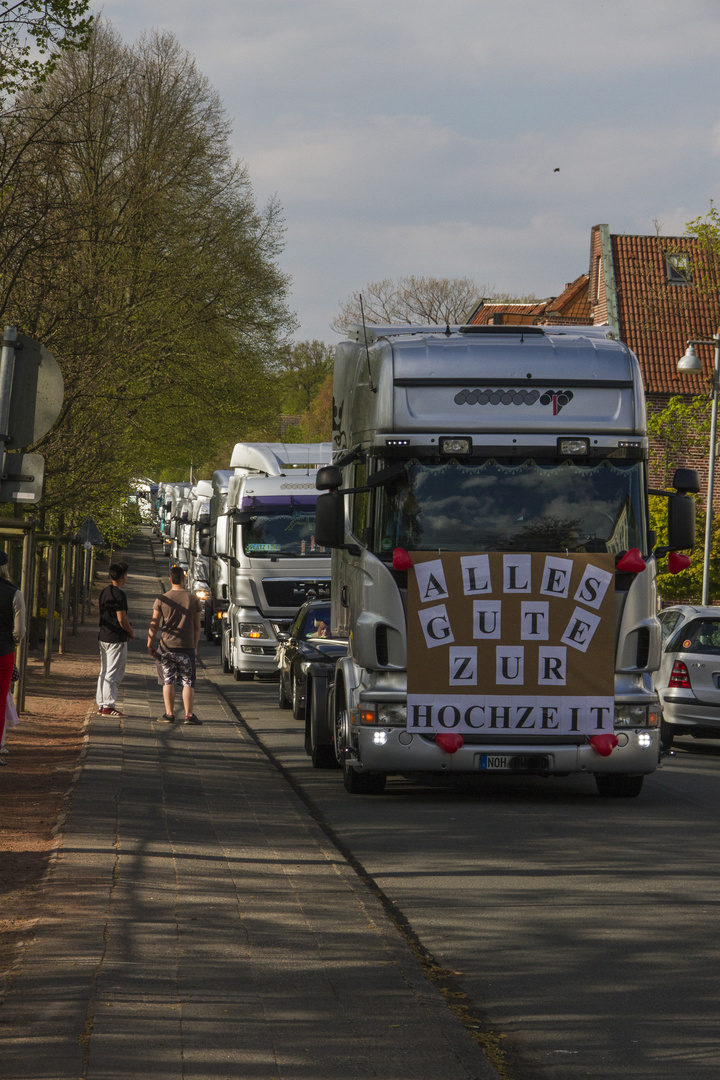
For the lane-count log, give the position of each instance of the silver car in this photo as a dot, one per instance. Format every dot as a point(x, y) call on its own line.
point(688, 679)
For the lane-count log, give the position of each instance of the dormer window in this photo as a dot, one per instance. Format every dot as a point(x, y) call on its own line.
point(678, 268)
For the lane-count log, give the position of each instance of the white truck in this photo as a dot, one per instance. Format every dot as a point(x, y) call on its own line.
point(197, 532)
point(493, 565)
point(275, 563)
point(216, 546)
point(175, 506)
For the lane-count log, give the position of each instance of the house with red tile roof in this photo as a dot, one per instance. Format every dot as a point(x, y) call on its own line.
point(654, 293)
point(570, 307)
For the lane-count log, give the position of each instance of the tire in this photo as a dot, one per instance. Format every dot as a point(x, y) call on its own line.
point(363, 783)
point(322, 754)
point(618, 786)
point(243, 676)
point(667, 736)
point(283, 699)
point(298, 705)
point(225, 661)
point(208, 623)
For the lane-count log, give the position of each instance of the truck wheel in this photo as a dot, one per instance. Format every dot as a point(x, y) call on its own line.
point(322, 754)
point(243, 676)
point(298, 705)
point(620, 786)
point(363, 783)
point(208, 623)
point(224, 653)
point(283, 699)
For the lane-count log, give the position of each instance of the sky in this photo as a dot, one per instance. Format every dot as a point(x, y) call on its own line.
point(424, 137)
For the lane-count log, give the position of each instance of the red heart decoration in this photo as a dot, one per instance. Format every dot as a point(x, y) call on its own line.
point(604, 744)
point(632, 562)
point(678, 562)
point(401, 559)
point(449, 741)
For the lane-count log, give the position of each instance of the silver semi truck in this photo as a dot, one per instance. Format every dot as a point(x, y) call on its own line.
point(274, 561)
point(492, 562)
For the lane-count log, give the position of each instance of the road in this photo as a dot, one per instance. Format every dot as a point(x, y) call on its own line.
point(584, 930)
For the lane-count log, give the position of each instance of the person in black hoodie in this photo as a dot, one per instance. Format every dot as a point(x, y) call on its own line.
point(115, 632)
point(12, 631)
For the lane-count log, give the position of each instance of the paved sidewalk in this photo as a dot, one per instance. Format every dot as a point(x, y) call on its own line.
point(197, 923)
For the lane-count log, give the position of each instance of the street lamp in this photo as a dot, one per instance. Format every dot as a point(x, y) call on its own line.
point(692, 365)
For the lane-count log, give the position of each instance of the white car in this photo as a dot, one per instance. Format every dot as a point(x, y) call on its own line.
point(688, 679)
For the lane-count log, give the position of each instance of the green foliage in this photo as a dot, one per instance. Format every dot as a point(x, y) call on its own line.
point(32, 35)
point(131, 245)
point(680, 431)
point(315, 424)
point(301, 371)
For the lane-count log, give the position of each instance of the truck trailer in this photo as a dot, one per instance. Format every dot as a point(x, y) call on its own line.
point(492, 561)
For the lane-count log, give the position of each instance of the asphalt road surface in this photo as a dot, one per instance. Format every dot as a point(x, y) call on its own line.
point(586, 931)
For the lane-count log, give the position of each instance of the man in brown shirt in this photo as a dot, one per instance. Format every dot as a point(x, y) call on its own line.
point(179, 612)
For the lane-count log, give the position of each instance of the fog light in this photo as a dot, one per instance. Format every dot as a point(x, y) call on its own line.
point(450, 445)
point(574, 447)
point(644, 738)
point(380, 738)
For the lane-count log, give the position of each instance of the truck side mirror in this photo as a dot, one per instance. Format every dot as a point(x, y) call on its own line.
point(687, 480)
point(681, 521)
point(330, 519)
point(328, 477)
point(206, 545)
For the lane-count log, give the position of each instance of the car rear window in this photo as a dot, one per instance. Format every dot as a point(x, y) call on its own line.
point(699, 636)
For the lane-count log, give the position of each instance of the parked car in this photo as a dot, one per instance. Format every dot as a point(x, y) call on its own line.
point(688, 679)
point(307, 641)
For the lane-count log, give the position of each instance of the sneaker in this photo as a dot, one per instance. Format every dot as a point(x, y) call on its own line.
point(3, 749)
point(165, 719)
point(192, 719)
point(3, 761)
point(110, 710)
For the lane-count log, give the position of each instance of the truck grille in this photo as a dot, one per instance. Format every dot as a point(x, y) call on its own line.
point(292, 592)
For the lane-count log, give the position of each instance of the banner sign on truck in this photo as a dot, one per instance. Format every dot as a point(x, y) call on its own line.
point(511, 643)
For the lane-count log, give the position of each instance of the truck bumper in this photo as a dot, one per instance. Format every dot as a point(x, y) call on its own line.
point(637, 752)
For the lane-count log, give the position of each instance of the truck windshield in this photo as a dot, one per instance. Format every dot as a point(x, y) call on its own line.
point(504, 504)
point(281, 535)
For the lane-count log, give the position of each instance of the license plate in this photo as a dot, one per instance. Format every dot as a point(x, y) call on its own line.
point(513, 763)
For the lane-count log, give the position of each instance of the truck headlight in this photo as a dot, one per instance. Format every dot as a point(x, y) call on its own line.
point(252, 630)
point(631, 715)
point(391, 715)
point(202, 594)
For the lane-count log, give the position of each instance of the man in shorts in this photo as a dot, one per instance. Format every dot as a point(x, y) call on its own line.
point(179, 612)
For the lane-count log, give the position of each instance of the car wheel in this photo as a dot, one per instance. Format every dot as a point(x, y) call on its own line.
point(298, 705)
point(667, 735)
point(618, 786)
point(283, 699)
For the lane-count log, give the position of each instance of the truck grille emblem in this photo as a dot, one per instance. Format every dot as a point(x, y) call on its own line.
point(556, 398)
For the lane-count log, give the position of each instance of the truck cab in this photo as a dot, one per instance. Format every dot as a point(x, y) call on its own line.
point(493, 565)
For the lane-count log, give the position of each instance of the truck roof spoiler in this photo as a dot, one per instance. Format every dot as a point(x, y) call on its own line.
point(370, 334)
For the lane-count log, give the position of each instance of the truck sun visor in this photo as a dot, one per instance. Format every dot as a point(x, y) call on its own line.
point(278, 504)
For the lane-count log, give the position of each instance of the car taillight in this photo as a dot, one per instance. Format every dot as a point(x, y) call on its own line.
point(679, 676)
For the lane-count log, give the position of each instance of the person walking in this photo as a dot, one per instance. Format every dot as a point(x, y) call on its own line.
point(115, 632)
point(179, 612)
point(12, 631)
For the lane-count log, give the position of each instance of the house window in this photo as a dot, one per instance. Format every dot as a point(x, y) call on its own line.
point(678, 268)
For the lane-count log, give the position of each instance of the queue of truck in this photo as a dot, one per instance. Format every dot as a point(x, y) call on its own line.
point(483, 536)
